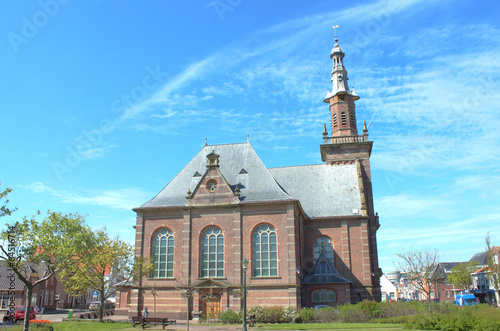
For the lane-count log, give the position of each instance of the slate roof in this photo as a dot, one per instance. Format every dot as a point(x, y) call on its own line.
point(5, 272)
point(322, 190)
point(324, 272)
point(441, 269)
point(239, 164)
point(480, 258)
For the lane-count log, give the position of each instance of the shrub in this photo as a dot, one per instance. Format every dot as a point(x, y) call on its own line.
point(325, 315)
point(267, 314)
point(230, 316)
point(306, 315)
point(290, 315)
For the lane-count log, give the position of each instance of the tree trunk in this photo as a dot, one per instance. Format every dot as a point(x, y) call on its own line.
point(101, 308)
point(29, 294)
point(497, 297)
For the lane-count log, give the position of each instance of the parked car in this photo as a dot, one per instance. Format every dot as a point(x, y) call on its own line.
point(95, 305)
point(321, 306)
point(17, 315)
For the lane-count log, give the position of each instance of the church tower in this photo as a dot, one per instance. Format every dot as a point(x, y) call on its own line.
point(346, 147)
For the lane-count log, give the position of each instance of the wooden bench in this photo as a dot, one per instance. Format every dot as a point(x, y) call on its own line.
point(251, 320)
point(143, 321)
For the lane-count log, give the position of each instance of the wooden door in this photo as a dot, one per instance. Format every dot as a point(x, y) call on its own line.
point(211, 305)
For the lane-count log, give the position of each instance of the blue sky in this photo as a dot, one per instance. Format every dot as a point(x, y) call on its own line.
point(103, 102)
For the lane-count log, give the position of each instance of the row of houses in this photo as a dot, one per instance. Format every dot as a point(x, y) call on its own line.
point(396, 285)
point(48, 295)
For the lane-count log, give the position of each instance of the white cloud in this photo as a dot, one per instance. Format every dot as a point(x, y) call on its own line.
point(126, 198)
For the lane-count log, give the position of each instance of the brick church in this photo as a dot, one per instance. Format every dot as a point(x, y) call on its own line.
point(309, 232)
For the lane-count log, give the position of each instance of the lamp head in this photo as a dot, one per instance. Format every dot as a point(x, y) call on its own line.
point(244, 264)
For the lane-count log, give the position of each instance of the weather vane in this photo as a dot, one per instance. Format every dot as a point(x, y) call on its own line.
point(335, 28)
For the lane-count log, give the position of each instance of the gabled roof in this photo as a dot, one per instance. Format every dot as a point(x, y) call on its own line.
point(239, 164)
point(480, 258)
point(5, 282)
point(441, 269)
point(323, 190)
point(323, 272)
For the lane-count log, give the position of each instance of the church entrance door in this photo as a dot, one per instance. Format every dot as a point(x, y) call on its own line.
point(211, 303)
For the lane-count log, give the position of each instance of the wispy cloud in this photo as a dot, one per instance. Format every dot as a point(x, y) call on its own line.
point(126, 198)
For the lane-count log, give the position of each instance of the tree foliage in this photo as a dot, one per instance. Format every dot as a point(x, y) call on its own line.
point(418, 265)
point(102, 264)
point(36, 251)
point(494, 268)
point(460, 275)
point(4, 210)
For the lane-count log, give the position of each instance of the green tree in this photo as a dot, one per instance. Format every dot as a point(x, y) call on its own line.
point(460, 275)
point(102, 264)
point(494, 266)
point(4, 210)
point(419, 265)
point(36, 251)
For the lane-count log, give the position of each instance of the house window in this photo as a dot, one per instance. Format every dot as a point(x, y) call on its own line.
point(163, 253)
point(353, 119)
point(5, 300)
point(495, 259)
point(69, 297)
point(212, 252)
point(327, 244)
point(265, 251)
point(447, 294)
point(324, 295)
point(335, 120)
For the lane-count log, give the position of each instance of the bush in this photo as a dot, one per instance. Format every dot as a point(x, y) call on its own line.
point(290, 315)
point(476, 318)
point(306, 315)
point(267, 314)
point(231, 317)
point(326, 315)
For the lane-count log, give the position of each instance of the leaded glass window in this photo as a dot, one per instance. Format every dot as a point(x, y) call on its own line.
point(327, 244)
point(265, 251)
point(163, 254)
point(324, 295)
point(212, 252)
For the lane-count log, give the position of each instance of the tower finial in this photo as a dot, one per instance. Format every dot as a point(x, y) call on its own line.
point(335, 28)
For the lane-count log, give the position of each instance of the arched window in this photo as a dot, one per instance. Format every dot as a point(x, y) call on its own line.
point(324, 295)
point(265, 251)
point(163, 253)
point(327, 244)
point(212, 252)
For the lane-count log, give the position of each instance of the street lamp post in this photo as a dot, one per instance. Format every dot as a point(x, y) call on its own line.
point(244, 266)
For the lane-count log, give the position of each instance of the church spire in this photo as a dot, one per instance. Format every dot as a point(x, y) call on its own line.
point(341, 99)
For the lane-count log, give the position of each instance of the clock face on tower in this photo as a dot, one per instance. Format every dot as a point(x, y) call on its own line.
point(212, 185)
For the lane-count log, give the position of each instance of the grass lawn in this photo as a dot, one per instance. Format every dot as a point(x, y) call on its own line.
point(329, 326)
point(84, 326)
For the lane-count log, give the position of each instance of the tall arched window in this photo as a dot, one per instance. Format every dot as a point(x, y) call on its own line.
point(327, 244)
point(324, 295)
point(265, 251)
point(163, 253)
point(212, 252)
